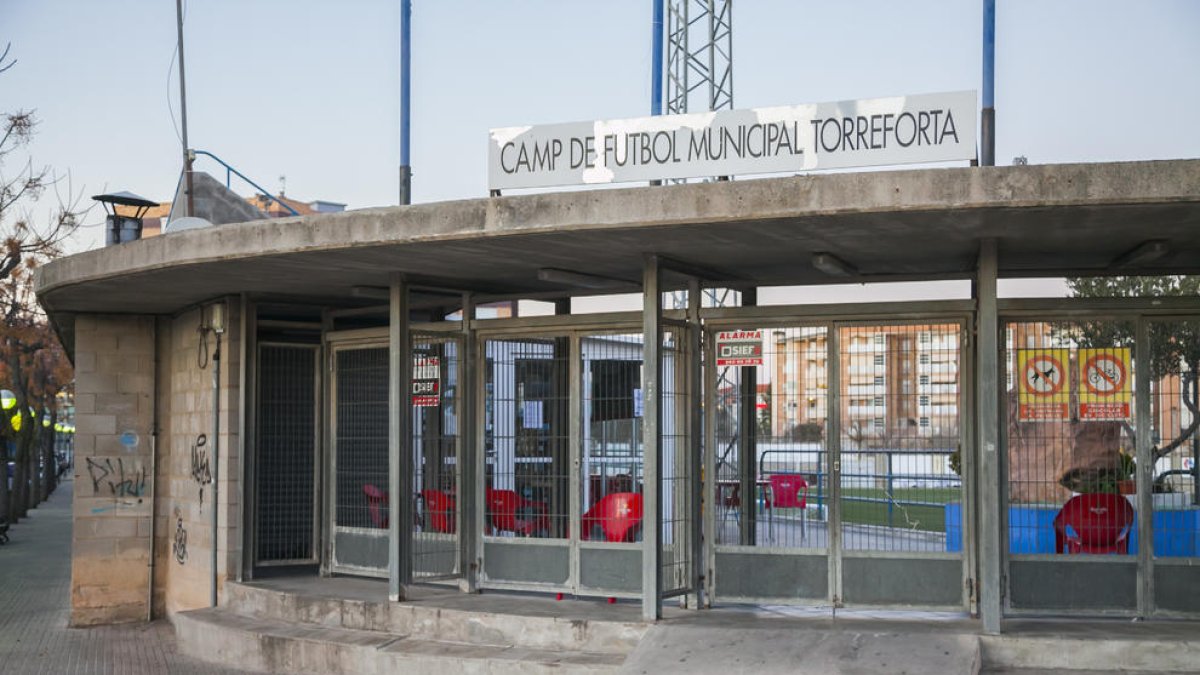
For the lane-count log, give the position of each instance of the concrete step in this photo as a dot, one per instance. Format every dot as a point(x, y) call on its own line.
point(1077, 651)
point(709, 649)
point(447, 615)
point(219, 636)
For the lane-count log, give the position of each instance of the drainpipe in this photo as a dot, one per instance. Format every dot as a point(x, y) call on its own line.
point(153, 480)
point(216, 324)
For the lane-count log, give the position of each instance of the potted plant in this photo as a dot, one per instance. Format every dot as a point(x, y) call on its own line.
point(1126, 473)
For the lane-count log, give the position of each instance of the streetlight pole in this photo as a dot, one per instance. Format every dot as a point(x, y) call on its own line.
point(187, 152)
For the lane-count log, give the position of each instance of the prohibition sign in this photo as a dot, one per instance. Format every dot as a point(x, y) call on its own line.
point(1043, 375)
point(1104, 374)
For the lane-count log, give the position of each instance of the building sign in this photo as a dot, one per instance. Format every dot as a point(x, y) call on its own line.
point(1105, 391)
point(426, 381)
point(740, 348)
point(1044, 392)
point(809, 137)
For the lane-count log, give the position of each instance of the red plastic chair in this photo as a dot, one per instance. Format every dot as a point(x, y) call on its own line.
point(377, 505)
point(618, 515)
point(1094, 523)
point(788, 491)
point(510, 512)
point(730, 499)
point(439, 511)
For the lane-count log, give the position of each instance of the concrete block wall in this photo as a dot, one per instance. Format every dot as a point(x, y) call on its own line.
point(185, 476)
point(114, 384)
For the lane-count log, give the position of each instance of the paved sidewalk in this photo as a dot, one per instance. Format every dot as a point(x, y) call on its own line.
point(35, 583)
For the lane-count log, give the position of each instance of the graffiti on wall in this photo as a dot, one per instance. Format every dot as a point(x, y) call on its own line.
point(124, 481)
point(201, 468)
point(179, 545)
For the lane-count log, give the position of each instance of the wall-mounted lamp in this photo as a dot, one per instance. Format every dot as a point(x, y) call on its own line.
point(216, 318)
point(832, 265)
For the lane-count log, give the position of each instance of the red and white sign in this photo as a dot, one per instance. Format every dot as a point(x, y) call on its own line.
point(426, 381)
point(1106, 394)
point(740, 348)
point(1045, 388)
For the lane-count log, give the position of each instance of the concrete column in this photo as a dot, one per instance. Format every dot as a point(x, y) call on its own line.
point(1144, 453)
point(747, 446)
point(469, 525)
point(987, 363)
point(115, 393)
point(651, 439)
point(400, 468)
point(695, 414)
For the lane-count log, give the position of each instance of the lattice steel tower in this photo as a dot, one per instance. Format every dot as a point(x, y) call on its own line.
point(699, 55)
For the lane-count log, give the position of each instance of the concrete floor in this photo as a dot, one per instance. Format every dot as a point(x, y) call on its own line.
point(35, 580)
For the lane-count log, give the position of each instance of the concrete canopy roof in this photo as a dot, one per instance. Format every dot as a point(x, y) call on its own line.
point(1049, 220)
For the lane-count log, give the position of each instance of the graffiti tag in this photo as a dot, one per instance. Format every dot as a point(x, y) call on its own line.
point(179, 545)
point(121, 482)
point(201, 469)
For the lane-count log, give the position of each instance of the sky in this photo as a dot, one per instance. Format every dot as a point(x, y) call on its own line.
point(310, 89)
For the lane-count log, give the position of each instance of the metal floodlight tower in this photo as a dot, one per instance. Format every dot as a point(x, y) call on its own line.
point(699, 66)
point(699, 55)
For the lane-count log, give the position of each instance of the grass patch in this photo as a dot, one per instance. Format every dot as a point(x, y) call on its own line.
point(927, 518)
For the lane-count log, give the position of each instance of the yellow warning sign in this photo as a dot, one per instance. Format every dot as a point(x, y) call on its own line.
point(1105, 383)
point(1044, 384)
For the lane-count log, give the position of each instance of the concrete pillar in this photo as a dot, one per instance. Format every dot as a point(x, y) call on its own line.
point(987, 415)
point(400, 471)
point(651, 440)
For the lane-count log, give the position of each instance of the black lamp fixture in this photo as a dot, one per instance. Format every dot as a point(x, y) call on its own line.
point(123, 228)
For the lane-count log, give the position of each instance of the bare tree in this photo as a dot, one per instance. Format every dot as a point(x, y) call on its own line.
point(32, 363)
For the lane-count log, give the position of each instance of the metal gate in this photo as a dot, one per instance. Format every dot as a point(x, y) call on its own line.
point(286, 442)
point(563, 462)
point(835, 463)
point(1101, 448)
point(358, 494)
point(436, 452)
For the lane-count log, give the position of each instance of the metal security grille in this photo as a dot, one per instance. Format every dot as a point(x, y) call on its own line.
point(435, 446)
point(900, 402)
point(361, 464)
point(285, 495)
point(612, 449)
point(676, 467)
point(1071, 436)
point(526, 438)
point(1175, 416)
point(790, 422)
point(1174, 399)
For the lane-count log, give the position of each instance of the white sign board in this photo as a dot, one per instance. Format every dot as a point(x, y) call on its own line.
point(809, 137)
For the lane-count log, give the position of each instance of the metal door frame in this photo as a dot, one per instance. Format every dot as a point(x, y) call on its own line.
point(335, 342)
point(833, 317)
point(451, 334)
point(318, 428)
point(574, 328)
point(1140, 312)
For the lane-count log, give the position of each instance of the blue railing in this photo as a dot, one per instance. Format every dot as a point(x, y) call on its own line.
point(230, 172)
